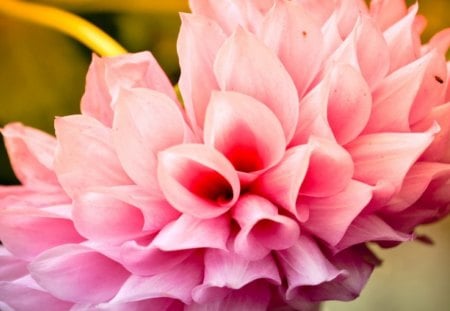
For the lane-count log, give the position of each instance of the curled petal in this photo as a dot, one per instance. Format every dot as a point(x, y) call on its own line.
point(145, 122)
point(245, 131)
point(197, 180)
point(76, 273)
point(244, 64)
point(188, 232)
point(262, 228)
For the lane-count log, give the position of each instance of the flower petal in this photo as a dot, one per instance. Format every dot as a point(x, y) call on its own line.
point(76, 273)
point(246, 65)
point(387, 12)
point(197, 180)
point(11, 267)
point(145, 122)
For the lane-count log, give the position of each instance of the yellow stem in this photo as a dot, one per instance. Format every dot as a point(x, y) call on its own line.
point(65, 22)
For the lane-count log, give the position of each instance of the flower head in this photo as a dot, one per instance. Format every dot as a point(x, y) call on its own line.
point(308, 129)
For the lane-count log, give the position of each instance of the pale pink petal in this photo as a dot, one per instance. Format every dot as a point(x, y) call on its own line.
point(244, 64)
point(290, 31)
point(85, 155)
point(348, 12)
point(387, 12)
point(188, 232)
point(320, 10)
point(198, 180)
point(330, 217)
point(76, 273)
point(18, 196)
point(108, 75)
point(160, 304)
point(371, 228)
point(100, 217)
point(149, 260)
point(403, 41)
point(176, 283)
point(11, 267)
point(394, 97)
point(245, 131)
point(198, 42)
point(440, 41)
point(145, 122)
point(262, 228)
point(331, 38)
point(304, 264)
point(254, 297)
point(330, 169)
point(27, 231)
point(31, 153)
point(226, 271)
point(387, 156)
point(281, 184)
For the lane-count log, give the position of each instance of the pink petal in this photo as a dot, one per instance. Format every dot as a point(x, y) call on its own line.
point(348, 12)
point(281, 31)
point(304, 264)
point(149, 260)
point(440, 41)
point(225, 271)
point(176, 283)
point(76, 273)
point(320, 10)
point(197, 180)
point(95, 164)
point(281, 184)
point(245, 131)
point(160, 304)
point(145, 122)
point(198, 42)
point(11, 267)
point(254, 297)
point(27, 231)
point(330, 169)
point(394, 97)
point(403, 41)
point(246, 65)
point(387, 156)
point(101, 217)
point(31, 153)
point(108, 75)
point(330, 217)
point(188, 232)
point(387, 12)
point(262, 228)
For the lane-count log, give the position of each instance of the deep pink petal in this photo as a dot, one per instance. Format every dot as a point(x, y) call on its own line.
point(197, 180)
point(145, 122)
point(330, 217)
point(198, 42)
point(387, 12)
point(27, 231)
point(31, 153)
point(387, 156)
point(262, 228)
point(290, 31)
point(85, 156)
point(304, 264)
point(245, 131)
point(281, 184)
point(244, 64)
point(176, 283)
point(188, 232)
point(76, 273)
point(225, 271)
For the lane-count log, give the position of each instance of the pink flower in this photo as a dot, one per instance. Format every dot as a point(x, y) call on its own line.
point(309, 128)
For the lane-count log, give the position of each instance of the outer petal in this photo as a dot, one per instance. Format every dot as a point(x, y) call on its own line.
point(31, 153)
point(198, 42)
point(27, 231)
point(245, 131)
point(246, 65)
point(145, 122)
point(85, 157)
point(281, 31)
point(197, 180)
point(76, 273)
point(330, 217)
point(107, 76)
point(262, 228)
point(188, 232)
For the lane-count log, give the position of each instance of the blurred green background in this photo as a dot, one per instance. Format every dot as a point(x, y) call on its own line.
point(42, 75)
